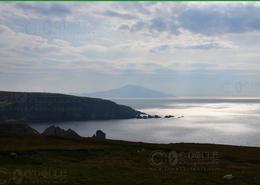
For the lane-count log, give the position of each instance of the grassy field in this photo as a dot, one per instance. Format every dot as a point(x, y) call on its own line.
point(46, 160)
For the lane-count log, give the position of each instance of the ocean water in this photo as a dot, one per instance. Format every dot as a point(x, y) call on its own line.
point(217, 120)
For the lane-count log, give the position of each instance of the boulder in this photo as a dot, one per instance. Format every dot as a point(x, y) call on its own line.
point(168, 116)
point(147, 116)
point(156, 116)
point(100, 135)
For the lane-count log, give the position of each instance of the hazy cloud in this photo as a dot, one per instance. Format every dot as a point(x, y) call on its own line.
point(204, 46)
point(128, 42)
point(45, 9)
point(159, 49)
point(116, 14)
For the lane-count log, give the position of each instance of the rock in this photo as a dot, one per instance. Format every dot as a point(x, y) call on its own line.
point(72, 133)
point(169, 116)
point(13, 154)
point(156, 116)
point(228, 177)
point(142, 116)
point(147, 116)
point(59, 132)
point(100, 135)
point(15, 128)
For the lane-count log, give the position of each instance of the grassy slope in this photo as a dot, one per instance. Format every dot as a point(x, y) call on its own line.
point(118, 162)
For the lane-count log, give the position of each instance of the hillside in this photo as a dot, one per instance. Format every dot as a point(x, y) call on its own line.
point(50, 160)
point(43, 107)
point(130, 91)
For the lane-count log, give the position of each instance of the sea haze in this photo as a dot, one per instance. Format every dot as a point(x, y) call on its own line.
point(216, 120)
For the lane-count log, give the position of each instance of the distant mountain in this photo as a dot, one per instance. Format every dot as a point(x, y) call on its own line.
point(130, 91)
point(49, 107)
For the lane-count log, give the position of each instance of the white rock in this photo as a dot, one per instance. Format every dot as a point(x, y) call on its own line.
point(228, 177)
point(13, 154)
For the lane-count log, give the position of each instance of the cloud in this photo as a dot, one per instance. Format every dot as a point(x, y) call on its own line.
point(116, 14)
point(217, 19)
point(139, 8)
point(203, 46)
point(165, 24)
point(154, 25)
point(124, 39)
point(45, 9)
point(124, 27)
point(159, 49)
point(236, 19)
point(11, 39)
point(201, 66)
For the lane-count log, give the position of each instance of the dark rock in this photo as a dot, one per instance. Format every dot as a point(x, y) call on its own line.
point(100, 135)
point(14, 128)
point(72, 133)
point(147, 116)
point(169, 116)
point(13, 154)
point(228, 177)
point(59, 132)
point(141, 116)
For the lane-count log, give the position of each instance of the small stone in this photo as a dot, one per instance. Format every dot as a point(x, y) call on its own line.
point(13, 154)
point(228, 177)
point(168, 116)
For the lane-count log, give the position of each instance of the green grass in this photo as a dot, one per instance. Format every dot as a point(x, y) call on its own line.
point(47, 160)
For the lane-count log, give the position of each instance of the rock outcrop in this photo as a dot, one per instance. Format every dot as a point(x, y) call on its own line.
point(147, 116)
point(13, 128)
point(100, 135)
point(169, 116)
point(56, 131)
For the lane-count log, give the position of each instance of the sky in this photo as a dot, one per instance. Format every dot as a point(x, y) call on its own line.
point(187, 49)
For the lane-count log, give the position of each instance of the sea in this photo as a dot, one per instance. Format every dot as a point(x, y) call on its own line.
point(231, 121)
